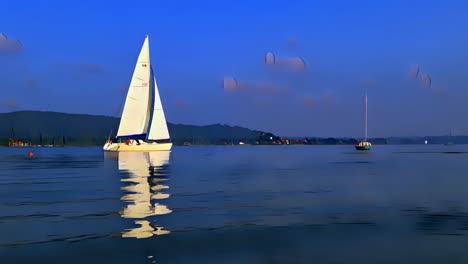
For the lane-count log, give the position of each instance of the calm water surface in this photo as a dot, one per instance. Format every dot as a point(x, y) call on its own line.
point(252, 204)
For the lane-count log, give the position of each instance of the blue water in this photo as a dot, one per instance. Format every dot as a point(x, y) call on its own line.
point(243, 204)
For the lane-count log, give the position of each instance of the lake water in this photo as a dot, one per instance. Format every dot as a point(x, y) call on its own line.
point(243, 204)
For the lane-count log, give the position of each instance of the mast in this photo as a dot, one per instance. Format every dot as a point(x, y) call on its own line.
point(366, 120)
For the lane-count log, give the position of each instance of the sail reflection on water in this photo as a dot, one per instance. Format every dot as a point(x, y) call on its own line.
point(144, 190)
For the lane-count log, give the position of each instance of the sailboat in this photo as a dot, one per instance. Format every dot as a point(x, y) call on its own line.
point(364, 145)
point(143, 124)
point(450, 141)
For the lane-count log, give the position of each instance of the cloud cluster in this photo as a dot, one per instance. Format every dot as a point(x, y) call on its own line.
point(9, 46)
point(90, 68)
point(414, 72)
point(426, 81)
point(329, 98)
point(295, 63)
point(10, 104)
point(326, 99)
point(309, 102)
point(287, 73)
point(287, 63)
point(231, 85)
point(181, 104)
point(440, 91)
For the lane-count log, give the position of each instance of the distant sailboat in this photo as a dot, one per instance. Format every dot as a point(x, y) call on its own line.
point(364, 145)
point(143, 124)
point(450, 141)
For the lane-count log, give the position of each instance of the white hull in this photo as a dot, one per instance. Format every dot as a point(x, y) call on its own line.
point(133, 146)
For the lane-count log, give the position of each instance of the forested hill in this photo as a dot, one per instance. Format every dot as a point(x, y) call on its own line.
point(40, 127)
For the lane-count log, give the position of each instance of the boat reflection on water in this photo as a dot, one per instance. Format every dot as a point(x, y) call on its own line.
point(144, 190)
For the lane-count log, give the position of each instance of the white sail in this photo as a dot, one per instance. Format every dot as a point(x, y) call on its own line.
point(158, 127)
point(136, 112)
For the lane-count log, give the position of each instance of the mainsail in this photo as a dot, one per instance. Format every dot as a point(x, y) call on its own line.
point(158, 127)
point(136, 112)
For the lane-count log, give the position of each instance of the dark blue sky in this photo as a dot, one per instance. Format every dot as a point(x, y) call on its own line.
point(79, 58)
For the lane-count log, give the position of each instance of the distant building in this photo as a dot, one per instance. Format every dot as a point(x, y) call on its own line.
point(17, 143)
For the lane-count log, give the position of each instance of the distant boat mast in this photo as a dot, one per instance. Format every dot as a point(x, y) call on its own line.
point(364, 144)
point(365, 128)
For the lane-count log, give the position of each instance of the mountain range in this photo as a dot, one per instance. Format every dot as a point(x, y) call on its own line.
point(40, 127)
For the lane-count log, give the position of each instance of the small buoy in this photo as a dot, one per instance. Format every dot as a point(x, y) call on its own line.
point(30, 154)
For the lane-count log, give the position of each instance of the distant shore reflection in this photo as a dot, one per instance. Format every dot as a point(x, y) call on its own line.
point(144, 183)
